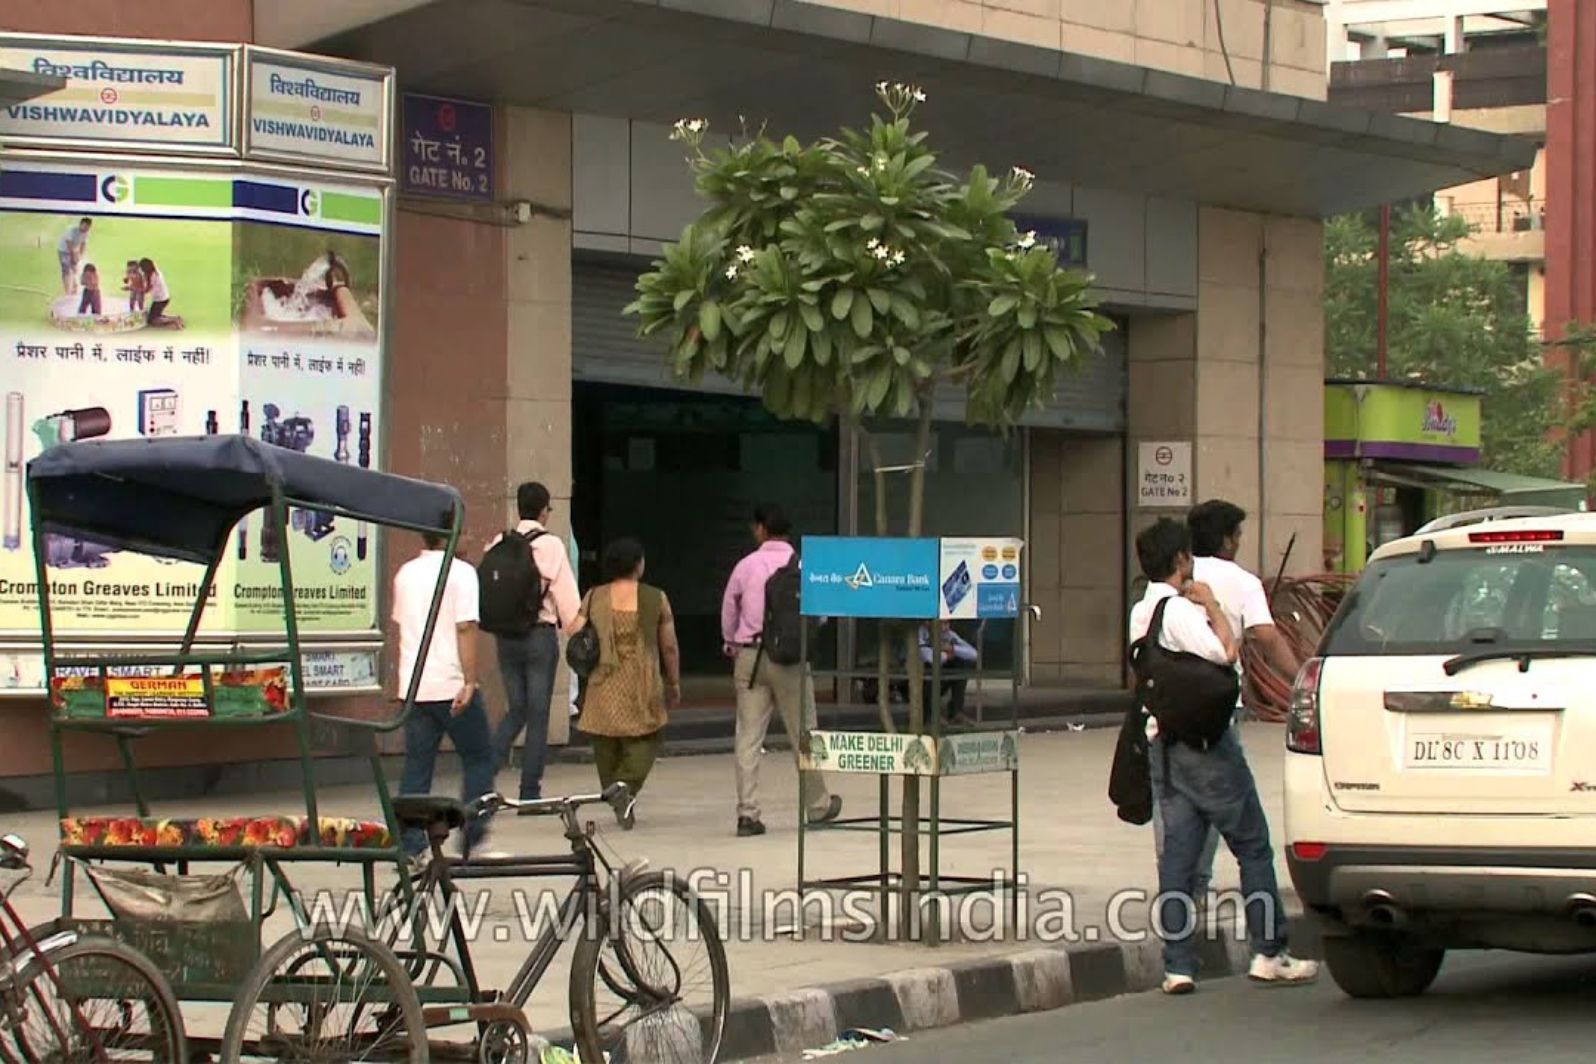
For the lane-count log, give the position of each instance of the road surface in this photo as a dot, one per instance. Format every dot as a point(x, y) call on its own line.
point(1484, 1007)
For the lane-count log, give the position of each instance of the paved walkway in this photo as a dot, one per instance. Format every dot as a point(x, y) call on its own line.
point(1071, 842)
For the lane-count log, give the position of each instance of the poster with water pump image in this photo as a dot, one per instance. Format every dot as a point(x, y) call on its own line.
point(141, 302)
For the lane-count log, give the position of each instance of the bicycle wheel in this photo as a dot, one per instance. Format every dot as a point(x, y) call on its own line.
point(651, 986)
point(91, 1000)
point(324, 995)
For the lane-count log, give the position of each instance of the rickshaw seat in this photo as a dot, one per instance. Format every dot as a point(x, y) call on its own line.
point(223, 833)
point(424, 810)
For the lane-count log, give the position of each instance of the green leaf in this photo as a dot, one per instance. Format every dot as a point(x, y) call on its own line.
point(1002, 305)
point(864, 354)
point(900, 355)
point(1027, 316)
point(812, 318)
point(1010, 366)
point(684, 297)
point(863, 319)
point(820, 345)
point(793, 353)
point(1033, 351)
point(879, 299)
point(918, 165)
point(871, 222)
point(841, 303)
point(880, 383)
point(709, 320)
point(778, 326)
point(789, 193)
point(905, 312)
point(1058, 339)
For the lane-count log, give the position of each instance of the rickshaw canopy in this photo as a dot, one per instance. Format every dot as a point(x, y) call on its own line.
point(180, 497)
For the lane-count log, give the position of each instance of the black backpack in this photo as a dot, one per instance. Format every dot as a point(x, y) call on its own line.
point(510, 588)
point(781, 640)
point(1192, 697)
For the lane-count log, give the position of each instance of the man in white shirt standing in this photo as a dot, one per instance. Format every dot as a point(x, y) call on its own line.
point(1197, 789)
point(448, 701)
point(70, 251)
point(1215, 538)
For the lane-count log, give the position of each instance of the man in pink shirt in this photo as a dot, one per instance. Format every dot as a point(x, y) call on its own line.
point(764, 686)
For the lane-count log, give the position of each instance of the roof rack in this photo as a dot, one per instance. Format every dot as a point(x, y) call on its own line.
point(1495, 513)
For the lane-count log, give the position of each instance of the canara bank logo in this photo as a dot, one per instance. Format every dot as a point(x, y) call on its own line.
point(862, 578)
point(1436, 419)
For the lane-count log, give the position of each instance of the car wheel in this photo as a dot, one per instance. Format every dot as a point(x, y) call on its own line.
point(1381, 966)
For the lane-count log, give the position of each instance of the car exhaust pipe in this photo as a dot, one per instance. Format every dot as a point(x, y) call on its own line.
point(1582, 908)
point(1384, 910)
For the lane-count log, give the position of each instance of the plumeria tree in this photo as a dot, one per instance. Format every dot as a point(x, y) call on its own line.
point(853, 278)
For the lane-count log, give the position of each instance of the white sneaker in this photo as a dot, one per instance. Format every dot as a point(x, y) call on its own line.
point(1282, 970)
point(1175, 985)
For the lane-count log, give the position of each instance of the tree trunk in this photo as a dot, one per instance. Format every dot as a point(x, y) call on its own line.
point(883, 629)
point(909, 893)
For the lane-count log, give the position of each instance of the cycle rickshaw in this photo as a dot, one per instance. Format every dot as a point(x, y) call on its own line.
point(329, 990)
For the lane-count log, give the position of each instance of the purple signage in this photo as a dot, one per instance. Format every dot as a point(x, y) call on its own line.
point(448, 148)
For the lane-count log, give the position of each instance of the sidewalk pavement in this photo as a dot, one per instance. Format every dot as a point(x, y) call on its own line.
point(796, 990)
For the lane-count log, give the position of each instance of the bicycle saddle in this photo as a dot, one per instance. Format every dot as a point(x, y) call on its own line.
point(425, 810)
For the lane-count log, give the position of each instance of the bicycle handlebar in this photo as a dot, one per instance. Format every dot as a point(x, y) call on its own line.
point(618, 796)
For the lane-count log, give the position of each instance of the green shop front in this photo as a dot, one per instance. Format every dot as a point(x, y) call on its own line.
point(1399, 454)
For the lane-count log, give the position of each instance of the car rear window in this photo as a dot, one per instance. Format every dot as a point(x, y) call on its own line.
point(1530, 596)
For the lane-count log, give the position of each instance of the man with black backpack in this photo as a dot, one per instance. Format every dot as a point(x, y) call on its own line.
point(762, 628)
point(528, 597)
point(1184, 653)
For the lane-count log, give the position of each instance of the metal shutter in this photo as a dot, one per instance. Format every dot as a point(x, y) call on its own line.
point(605, 348)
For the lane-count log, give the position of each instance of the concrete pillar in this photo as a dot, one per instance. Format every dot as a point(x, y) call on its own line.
point(1242, 381)
point(537, 379)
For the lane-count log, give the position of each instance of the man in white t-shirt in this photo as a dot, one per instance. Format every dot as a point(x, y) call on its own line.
point(70, 250)
point(448, 701)
point(1199, 790)
point(1215, 538)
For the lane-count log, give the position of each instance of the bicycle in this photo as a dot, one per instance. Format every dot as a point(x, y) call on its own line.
point(632, 998)
point(71, 997)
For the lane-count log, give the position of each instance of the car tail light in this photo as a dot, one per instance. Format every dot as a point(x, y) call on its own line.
point(1302, 720)
point(1309, 851)
point(1533, 535)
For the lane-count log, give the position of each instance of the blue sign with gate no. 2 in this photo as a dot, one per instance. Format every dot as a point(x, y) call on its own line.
point(448, 148)
point(850, 576)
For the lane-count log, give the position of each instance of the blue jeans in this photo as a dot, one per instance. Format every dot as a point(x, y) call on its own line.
point(1202, 790)
point(424, 733)
point(1204, 880)
point(527, 665)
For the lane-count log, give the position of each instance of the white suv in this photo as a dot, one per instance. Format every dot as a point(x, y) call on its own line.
point(1440, 774)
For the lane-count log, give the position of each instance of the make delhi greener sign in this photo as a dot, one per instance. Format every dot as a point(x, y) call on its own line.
point(189, 304)
point(902, 754)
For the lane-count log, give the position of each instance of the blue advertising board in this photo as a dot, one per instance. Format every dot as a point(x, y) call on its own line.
point(1066, 236)
point(448, 148)
point(849, 576)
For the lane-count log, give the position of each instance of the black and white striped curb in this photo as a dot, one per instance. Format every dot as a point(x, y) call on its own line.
point(962, 991)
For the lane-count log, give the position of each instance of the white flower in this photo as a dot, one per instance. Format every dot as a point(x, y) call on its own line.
point(872, 244)
point(881, 87)
point(1028, 240)
point(898, 257)
point(745, 253)
point(731, 273)
point(918, 94)
point(1021, 176)
point(864, 171)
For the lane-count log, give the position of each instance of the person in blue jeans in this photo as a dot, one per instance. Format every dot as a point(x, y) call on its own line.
point(448, 701)
point(1201, 789)
point(528, 663)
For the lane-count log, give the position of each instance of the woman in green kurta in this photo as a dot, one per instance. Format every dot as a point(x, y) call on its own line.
point(638, 675)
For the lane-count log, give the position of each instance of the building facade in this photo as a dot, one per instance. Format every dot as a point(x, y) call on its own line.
point(1186, 155)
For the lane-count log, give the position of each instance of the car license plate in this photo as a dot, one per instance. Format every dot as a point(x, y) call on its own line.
point(1519, 751)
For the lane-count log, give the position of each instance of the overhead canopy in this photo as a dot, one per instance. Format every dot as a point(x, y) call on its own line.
point(18, 86)
point(180, 497)
point(1508, 487)
point(803, 67)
